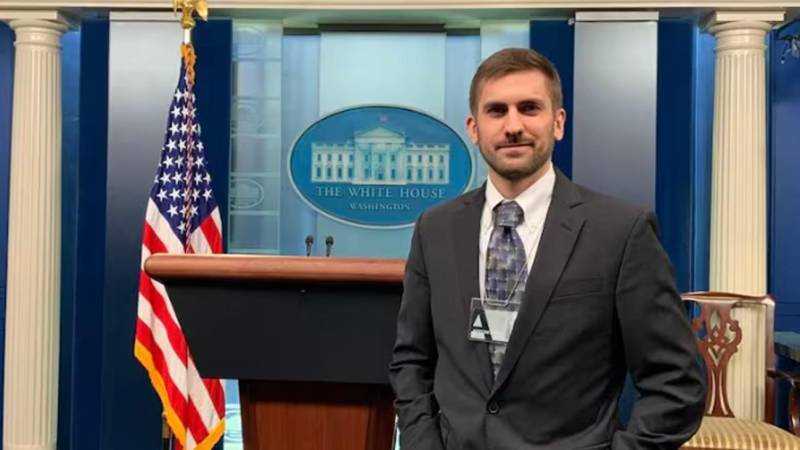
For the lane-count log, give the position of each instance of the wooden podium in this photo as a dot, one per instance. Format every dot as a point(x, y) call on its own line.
point(309, 340)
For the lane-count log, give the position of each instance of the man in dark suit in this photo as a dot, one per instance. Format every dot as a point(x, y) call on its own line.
point(527, 301)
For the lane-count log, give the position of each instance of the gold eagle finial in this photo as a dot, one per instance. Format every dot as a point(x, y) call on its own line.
point(188, 9)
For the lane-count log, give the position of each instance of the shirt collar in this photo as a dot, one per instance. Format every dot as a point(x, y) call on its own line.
point(534, 201)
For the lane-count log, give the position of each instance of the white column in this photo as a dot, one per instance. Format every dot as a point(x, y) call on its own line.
point(34, 235)
point(739, 189)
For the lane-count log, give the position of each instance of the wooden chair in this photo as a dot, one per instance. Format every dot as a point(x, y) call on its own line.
point(719, 338)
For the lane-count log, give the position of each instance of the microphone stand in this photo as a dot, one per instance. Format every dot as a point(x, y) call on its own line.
point(309, 243)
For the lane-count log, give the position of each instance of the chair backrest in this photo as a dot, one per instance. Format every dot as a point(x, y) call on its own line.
point(720, 336)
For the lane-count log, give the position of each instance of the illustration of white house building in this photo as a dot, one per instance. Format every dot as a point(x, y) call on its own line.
point(380, 156)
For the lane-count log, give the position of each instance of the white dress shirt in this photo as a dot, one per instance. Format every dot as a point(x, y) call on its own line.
point(534, 201)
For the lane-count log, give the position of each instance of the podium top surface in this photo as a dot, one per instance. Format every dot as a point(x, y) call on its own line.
point(274, 268)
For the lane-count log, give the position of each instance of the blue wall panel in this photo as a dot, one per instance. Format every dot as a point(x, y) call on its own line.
point(85, 100)
point(784, 194)
point(6, 98)
point(704, 64)
point(556, 41)
point(71, 214)
point(674, 145)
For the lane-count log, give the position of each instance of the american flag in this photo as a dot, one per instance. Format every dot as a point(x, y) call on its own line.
point(182, 217)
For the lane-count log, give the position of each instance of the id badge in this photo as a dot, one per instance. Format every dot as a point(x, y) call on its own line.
point(492, 320)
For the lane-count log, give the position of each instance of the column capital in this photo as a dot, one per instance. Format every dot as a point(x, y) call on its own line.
point(49, 19)
point(741, 30)
point(729, 20)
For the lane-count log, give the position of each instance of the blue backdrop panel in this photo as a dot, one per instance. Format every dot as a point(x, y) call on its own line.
point(556, 41)
point(79, 357)
point(85, 99)
point(6, 97)
point(784, 194)
point(704, 64)
point(130, 408)
point(674, 145)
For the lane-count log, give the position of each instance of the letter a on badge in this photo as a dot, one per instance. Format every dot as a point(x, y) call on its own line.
point(479, 330)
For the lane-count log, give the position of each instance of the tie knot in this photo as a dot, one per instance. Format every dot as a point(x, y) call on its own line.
point(508, 214)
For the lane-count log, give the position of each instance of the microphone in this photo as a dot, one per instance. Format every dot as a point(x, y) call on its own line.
point(328, 245)
point(309, 243)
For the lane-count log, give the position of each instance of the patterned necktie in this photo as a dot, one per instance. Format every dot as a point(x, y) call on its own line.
point(506, 265)
point(505, 257)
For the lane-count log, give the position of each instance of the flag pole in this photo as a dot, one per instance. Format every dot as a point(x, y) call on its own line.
point(166, 433)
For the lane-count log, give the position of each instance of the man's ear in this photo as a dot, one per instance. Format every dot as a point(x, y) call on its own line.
point(472, 129)
point(559, 123)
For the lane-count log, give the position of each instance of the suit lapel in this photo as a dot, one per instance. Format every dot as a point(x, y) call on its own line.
point(466, 236)
point(561, 229)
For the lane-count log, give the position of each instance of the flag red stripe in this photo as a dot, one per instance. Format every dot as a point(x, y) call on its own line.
point(179, 404)
point(217, 394)
point(159, 307)
point(152, 241)
point(194, 416)
point(212, 234)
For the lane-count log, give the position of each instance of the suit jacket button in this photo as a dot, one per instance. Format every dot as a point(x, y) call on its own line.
point(493, 408)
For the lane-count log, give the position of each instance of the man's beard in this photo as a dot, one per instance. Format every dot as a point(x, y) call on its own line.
point(517, 172)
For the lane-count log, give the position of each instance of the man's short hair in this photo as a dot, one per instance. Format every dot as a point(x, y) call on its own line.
point(512, 60)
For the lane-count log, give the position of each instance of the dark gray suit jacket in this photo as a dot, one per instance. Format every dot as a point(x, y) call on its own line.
point(600, 301)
